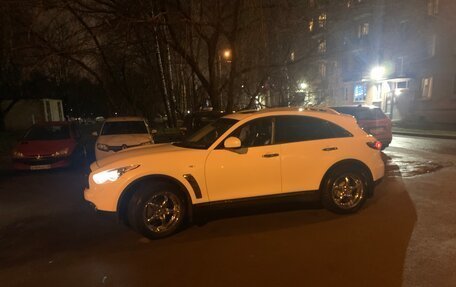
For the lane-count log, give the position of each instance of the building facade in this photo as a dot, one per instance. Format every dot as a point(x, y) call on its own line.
point(398, 55)
point(27, 112)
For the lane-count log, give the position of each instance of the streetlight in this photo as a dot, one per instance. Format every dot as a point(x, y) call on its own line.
point(227, 55)
point(303, 86)
point(378, 73)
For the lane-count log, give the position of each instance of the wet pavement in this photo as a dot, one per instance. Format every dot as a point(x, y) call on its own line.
point(49, 236)
point(405, 166)
point(413, 156)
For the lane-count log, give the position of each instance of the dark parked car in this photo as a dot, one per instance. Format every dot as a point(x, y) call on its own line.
point(372, 120)
point(197, 120)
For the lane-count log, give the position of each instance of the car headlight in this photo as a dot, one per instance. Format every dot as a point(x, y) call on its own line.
point(17, 154)
point(102, 147)
point(62, 152)
point(112, 174)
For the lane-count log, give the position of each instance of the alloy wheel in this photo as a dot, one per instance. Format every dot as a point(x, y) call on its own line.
point(348, 191)
point(162, 211)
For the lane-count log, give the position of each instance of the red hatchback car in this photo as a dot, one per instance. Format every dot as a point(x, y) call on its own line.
point(47, 146)
point(372, 120)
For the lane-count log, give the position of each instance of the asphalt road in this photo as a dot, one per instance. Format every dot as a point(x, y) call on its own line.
point(50, 237)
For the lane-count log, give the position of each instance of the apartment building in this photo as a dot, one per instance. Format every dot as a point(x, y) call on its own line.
point(398, 55)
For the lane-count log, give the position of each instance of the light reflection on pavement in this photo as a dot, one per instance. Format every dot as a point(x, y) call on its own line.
point(412, 156)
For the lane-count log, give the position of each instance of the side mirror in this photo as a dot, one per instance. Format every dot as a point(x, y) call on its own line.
point(95, 134)
point(232, 143)
point(154, 131)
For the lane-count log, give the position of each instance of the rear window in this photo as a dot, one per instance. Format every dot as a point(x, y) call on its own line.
point(362, 113)
point(121, 128)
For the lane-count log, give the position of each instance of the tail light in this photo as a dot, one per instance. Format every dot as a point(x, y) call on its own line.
point(375, 145)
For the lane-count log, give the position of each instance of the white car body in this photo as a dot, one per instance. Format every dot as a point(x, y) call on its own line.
point(221, 174)
point(116, 142)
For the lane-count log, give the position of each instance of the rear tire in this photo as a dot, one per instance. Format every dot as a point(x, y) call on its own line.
point(156, 211)
point(345, 190)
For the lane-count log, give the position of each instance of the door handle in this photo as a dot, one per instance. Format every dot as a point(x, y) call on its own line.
point(329, 148)
point(270, 155)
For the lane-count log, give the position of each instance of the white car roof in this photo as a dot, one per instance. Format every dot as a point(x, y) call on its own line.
point(346, 121)
point(124, 119)
point(311, 111)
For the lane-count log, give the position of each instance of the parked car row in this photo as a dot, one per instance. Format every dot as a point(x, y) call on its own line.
point(58, 144)
point(52, 145)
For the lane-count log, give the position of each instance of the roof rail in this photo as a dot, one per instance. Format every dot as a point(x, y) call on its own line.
point(319, 109)
point(250, 111)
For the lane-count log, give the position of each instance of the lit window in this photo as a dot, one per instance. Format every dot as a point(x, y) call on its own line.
point(363, 30)
point(426, 86)
point(402, 85)
point(292, 56)
point(322, 70)
point(322, 20)
point(433, 7)
point(322, 46)
point(360, 93)
point(311, 25)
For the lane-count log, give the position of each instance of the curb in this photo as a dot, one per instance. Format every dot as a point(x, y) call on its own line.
point(418, 134)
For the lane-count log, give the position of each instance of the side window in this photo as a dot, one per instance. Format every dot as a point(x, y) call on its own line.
point(337, 131)
point(300, 128)
point(255, 133)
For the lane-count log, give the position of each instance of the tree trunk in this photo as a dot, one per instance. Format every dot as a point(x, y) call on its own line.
point(233, 70)
point(163, 80)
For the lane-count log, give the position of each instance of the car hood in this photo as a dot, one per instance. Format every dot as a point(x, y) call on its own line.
point(119, 140)
point(47, 147)
point(138, 155)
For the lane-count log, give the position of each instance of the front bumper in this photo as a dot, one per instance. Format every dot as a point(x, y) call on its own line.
point(103, 197)
point(98, 201)
point(41, 163)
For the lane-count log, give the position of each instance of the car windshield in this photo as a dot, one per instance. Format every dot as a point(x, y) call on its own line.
point(51, 132)
point(362, 113)
point(206, 136)
point(125, 127)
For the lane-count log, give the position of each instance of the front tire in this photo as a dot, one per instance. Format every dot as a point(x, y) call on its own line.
point(157, 211)
point(345, 190)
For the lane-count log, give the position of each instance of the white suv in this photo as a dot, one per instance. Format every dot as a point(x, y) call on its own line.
point(248, 155)
point(121, 133)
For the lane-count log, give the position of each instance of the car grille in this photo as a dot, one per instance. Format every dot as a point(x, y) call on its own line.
point(119, 148)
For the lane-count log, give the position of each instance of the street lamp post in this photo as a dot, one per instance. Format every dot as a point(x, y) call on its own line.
point(225, 55)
